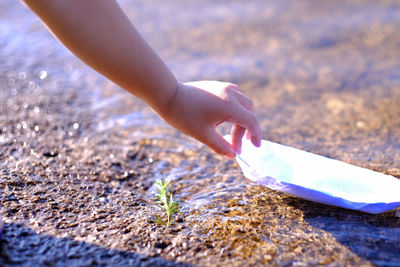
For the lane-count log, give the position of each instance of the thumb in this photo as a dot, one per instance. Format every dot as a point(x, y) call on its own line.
point(217, 143)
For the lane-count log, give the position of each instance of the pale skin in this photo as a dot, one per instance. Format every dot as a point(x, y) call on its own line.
point(101, 35)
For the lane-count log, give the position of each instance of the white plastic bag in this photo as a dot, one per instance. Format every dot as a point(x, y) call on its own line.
point(318, 178)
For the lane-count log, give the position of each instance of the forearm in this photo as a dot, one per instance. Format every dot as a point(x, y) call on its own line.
point(100, 34)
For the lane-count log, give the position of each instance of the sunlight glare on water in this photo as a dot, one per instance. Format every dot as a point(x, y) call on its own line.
point(324, 77)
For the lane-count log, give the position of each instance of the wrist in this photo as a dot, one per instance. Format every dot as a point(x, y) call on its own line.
point(166, 99)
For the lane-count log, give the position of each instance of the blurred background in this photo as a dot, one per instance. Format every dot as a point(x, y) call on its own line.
point(324, 77)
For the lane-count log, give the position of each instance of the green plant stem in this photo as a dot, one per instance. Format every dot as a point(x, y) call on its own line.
point(166, 202)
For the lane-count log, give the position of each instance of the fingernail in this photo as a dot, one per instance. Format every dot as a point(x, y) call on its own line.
point(256, 141)
point(231, 155)
point(238, 150)
point(259, 142)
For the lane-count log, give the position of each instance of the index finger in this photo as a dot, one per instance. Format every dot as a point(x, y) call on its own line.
point(248, 120)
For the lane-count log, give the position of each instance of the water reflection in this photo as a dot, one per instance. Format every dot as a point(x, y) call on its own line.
point(324, 78)
point(372, 237)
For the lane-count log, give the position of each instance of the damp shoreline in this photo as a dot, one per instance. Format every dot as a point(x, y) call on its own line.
point(79, 156)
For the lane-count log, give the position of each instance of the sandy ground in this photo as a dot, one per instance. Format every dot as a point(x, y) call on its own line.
point(79, 157)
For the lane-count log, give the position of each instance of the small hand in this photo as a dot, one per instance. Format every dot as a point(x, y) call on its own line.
point(198, 107)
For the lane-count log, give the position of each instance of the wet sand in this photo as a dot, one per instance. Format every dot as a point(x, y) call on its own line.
point(79, 157)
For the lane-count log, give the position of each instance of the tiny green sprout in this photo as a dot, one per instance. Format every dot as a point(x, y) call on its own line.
point(166, 202)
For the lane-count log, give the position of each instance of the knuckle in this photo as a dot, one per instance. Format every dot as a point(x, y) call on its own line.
point(253, 122)
point(234, 87)
point(249, 104)
point(229, 90)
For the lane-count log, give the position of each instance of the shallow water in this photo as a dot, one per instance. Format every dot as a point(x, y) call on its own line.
point(79, 156)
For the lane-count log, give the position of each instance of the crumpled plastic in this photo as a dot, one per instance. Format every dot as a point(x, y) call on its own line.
point(317, 178)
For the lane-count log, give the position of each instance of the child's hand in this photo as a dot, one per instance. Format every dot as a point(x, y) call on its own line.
point(198, 107)
point(124, 57)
